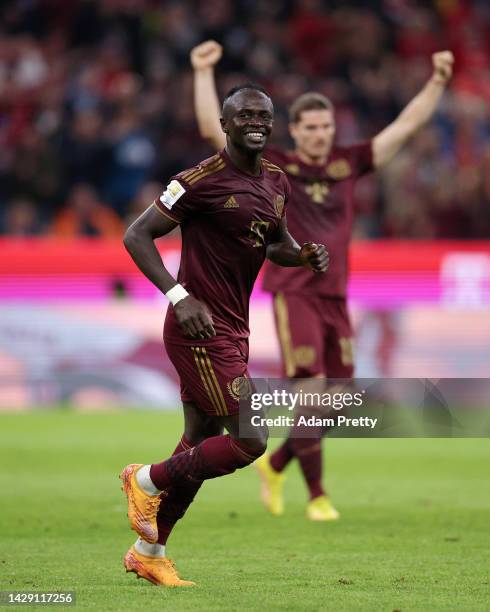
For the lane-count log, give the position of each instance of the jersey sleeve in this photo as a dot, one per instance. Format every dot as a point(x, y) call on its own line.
point(280, 205)
point(360, 157)
point(177, 202)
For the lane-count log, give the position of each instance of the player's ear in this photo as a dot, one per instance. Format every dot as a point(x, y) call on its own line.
point(293, 129)
point(224, 125)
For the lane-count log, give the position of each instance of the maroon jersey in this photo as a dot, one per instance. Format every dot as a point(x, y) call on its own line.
point(320, 210)
point(228, 218)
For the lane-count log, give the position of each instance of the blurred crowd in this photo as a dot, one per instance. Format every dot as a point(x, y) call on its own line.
point(96, 103)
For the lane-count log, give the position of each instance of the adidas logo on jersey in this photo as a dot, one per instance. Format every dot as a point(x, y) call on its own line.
point(231, 203)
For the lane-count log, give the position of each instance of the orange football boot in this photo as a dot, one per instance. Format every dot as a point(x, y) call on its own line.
point(159, 570)
point(142, 508)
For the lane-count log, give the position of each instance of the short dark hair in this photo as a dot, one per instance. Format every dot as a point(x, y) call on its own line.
point(244, 86)
point(311, 100)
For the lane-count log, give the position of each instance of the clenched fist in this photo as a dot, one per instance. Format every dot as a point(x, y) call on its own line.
point(442, 62)
point(206, 55)
point(314, 257)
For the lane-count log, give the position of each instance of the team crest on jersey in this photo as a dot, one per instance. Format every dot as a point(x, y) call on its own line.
point(304, 356)
point(292, 169)
point(279, 205)
point(317, 191)
point(339, 169)
point(173, 192)
point(240, 388)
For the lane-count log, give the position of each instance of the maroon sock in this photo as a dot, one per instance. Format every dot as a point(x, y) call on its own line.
point(282, 456)
point(308, 451)
point(211, 458)
point(177, 499)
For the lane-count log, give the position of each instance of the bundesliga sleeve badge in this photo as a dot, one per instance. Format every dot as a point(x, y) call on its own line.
point(173, 192)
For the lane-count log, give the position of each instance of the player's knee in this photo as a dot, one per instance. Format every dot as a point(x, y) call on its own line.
point(256, 446)
point(260, 448)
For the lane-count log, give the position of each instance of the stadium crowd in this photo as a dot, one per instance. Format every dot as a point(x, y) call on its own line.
point(96, 103)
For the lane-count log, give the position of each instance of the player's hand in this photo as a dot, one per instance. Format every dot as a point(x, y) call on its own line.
point(314, 256)
point(194, 318)
point(442, 63)
point(206, 55)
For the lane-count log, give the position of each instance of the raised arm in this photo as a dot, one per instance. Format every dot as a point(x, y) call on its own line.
point(417, 112)
point(206, 102)
point(286, 252)
point(192, 315)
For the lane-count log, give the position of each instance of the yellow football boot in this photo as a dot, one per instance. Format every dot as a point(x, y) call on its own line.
point(271, 485)
point(159, 570)
point(142, 508)
point(321, 509)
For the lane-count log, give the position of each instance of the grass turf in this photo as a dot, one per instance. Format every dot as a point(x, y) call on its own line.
point(413, 533)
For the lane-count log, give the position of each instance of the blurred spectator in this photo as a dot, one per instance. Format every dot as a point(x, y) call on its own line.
point(99, 92)
point(85, 215)
point(132, 157)
point(34, 169)
point(21, 219)
point(85, 152)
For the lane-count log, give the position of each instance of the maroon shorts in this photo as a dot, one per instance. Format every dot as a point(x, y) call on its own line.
point(213, 374)
point(315, 336)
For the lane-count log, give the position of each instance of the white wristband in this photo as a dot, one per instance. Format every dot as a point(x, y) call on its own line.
point(176, 294)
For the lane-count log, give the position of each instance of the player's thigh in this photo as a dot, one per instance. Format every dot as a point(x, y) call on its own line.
point(299, 329)
point(212, 374)
point(338, 355)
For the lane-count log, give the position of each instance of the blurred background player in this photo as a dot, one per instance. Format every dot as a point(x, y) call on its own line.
point(317, 340)
point(231, 209)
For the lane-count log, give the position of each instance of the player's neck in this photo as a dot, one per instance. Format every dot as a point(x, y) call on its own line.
point(311, 161)
point(246, 161)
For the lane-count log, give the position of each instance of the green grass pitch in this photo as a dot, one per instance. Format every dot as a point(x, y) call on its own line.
point(413, 533)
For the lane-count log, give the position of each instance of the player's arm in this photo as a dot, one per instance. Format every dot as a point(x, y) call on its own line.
point(192, 315)
point(285, 251)
point(206, 102)
point(417, 112)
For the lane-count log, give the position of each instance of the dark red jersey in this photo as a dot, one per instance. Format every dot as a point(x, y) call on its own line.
point(320, 210)
point(227, 218)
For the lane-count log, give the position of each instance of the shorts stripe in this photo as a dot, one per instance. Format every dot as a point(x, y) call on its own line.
point(200, 365)
point(284, 334)
point(221, 399)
